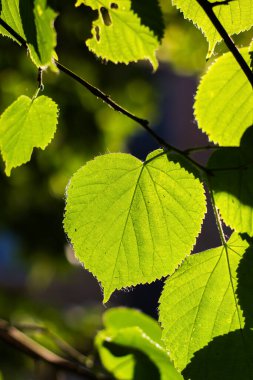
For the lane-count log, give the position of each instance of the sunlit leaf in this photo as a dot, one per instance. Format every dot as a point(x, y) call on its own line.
point(232, 184)
point(132, 222)
point(205, 306)
point(224, 101)
point(24, 125)
point(33, 21)
point(118, 35)
point(236, 17)
point(129, 352)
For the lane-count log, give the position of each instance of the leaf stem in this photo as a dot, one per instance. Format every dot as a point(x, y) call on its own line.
point(208, 9)
point(216, 212)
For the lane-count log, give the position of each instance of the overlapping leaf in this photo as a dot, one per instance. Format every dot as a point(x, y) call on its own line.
point(232, 184)
point(24, 125)
point(128, 350)
point(118, 34)
point(33, 21)
point(132, 222)
point(236, 17)
point(224, 101)
point(206, 313)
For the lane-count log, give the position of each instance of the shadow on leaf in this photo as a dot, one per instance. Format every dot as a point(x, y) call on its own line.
point(230, 356)
point(144, 368)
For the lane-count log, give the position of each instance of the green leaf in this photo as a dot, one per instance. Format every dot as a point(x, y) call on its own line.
point(232, 184)
point(237, 16)
point(24, 125)
point(33, 21)
point(122, 317)
point(118, 34)
point(132, 222)
point(224, 101)
point(207, 304)
point(129, 352)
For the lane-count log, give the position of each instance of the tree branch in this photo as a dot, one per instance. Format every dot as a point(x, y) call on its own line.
point(18, 339)
point(208, 9)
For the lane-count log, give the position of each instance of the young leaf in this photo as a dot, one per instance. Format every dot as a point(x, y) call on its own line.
point(224, 101)
point(24, 125)
point(129, 352)
point(118, 34)
point(122, 317)
point(205, 305)
point(132, 222)
point(33, 21)
point(236, 16)
point(232, 184)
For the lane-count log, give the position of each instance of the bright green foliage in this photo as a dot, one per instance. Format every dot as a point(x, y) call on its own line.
point(233, 188)
point(131, 222)
point(236, 17)
point(34, 22)
point(224, 101)
point(118, 34)
point(24, 125)
point(204, 299)
point(128, 349)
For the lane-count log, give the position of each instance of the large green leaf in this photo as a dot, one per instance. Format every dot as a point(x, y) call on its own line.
point(224, 101)
point(129, 351)
point(118, 34)
point(33, 21)
point(232, 184)
point(24, 125)
point(132, 222)
point(206, 313)
point(236, 17)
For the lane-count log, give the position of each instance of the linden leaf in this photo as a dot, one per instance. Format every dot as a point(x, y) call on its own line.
point(206, 313)
point(236, 16)
point(232, 184)
point(128, 350)
point(24, 125)
point(33, 21)
point(118, 34)
point(224, 101)
point(132, 222)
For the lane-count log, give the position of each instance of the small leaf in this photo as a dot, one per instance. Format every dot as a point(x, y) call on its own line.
point(205, 305)
point(118, 34)
point(129, 352)
point(132, 222)
point(33, 21)
point(232, 184)
point(122, 317)
point(224, 101)
point(237, 16)
point(24, 125)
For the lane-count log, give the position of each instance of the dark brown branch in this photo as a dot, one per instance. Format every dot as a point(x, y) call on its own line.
point(208, 9)
point(22, 342)
point(9, 29)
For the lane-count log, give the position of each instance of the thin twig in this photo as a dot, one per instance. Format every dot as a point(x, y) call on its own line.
point(18, 339)
point(61, 343)
point(106, 98)
point(201, 148)
point(208, 9)
point(111, 103)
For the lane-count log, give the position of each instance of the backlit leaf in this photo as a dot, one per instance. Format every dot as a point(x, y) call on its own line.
point(224, 101)
point(129, 352)
point(206, 313)
point(132, 222)
point(232, 184)
point(236, 17)
point(24, 125)
point(33, 21)
point(118, 34)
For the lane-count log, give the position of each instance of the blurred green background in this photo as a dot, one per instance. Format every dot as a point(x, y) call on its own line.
point(41, 283)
